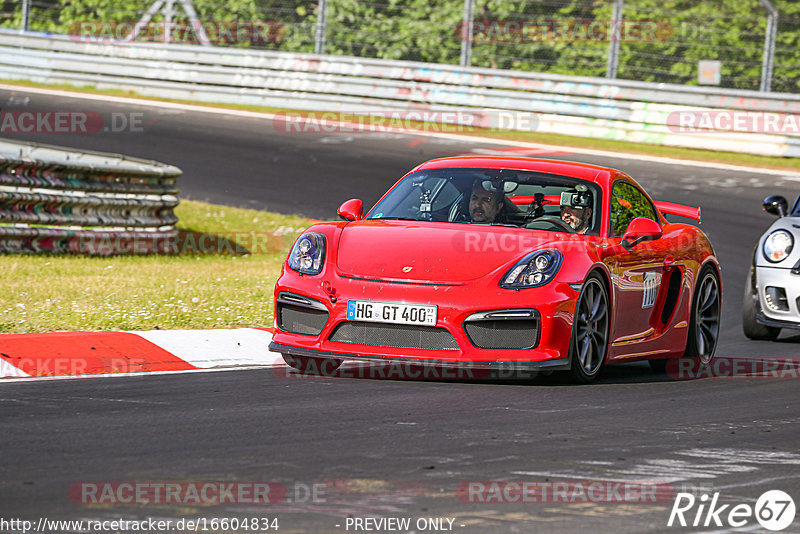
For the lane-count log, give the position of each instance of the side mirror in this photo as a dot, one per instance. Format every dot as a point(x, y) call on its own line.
point(776, 205)
point(352, 210)
point(640, 229)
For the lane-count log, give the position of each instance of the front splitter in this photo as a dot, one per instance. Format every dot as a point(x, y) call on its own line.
point(561, 364)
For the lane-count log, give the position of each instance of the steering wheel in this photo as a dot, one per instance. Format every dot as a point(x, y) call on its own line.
point(553, 221)
point(457, 213)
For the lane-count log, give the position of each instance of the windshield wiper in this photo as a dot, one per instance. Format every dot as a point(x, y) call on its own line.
point(395, 219)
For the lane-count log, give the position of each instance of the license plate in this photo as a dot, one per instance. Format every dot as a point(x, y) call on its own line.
point(391, 312)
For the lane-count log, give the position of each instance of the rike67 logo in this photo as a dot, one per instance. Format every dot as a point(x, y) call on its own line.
point(774, 510)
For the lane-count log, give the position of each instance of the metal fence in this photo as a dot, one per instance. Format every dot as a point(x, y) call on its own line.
point(60, 200)
point(587, 107)
point(757, 42)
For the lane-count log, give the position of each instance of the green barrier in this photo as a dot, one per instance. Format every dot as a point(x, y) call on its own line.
point(59, 200)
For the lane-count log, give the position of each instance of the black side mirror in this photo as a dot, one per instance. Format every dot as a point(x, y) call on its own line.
point(776, 205)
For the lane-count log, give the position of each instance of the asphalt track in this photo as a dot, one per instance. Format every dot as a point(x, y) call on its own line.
point(400, 448)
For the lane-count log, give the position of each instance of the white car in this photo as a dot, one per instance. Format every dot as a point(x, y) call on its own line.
point(772, 289)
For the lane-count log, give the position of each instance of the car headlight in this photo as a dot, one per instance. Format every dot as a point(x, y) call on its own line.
point(307, 253)
point(778, 245)
point(535, 269)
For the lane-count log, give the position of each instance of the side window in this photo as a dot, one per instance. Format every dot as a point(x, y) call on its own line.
point(627, 203)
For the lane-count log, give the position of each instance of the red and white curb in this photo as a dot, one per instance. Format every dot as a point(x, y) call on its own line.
point(74, 354)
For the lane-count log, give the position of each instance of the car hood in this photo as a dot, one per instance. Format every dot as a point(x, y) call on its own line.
point(434, 252)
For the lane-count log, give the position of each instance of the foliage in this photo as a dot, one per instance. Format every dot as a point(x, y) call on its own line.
point(688, 31)
point(628, 203)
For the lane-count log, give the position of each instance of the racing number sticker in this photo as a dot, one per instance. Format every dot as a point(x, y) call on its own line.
point(650, 290)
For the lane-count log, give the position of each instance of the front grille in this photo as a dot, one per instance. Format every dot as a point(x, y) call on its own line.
point(394, 335)
point(300, 315)
point(776, 298)
point(508, 329)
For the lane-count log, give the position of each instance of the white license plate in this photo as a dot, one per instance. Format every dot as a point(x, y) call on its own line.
point(391, 312)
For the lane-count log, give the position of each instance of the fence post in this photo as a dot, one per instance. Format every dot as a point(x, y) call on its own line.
point(322, 23)
point(167, 8)
point(26, 15)
point(769, 46)
point(466, 33)
point(614, 38)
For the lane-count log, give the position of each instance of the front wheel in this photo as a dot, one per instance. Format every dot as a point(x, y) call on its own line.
point(751, 327)
point(312, 366)
point(590, 330)
point(705, 320)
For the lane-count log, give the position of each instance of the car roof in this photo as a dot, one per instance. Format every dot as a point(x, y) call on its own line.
point(584, 171)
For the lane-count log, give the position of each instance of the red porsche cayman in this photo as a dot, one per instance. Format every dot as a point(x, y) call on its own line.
point(502, 263)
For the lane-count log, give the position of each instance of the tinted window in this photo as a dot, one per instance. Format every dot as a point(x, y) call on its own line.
point(524, 199)
point(628, 203)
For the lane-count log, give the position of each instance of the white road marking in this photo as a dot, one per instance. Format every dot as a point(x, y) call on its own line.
point(8, 370)
point(710, 464)
point(215, 348)
point(748, 528)
point(275, 363)
point(569, 475)
point(737, 456)
point(756, 483)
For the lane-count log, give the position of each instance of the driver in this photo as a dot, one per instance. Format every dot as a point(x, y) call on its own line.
point(576, 210)
point(484, 206)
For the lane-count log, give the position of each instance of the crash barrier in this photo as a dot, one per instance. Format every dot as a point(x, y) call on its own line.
point(719, 119)
point(60, 200)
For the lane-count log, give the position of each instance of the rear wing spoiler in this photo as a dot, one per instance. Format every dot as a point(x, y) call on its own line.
point(678, 209)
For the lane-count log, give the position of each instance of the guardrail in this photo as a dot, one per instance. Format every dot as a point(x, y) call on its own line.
point(60, 200)
point(579, 106)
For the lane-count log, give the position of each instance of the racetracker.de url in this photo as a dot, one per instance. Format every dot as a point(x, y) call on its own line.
point(45, 525)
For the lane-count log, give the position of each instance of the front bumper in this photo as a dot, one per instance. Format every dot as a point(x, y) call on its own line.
point(554, 305)
point(561, 364)
point(790, 283)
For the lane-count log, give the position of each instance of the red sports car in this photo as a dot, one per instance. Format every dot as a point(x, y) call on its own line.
point(502, 263)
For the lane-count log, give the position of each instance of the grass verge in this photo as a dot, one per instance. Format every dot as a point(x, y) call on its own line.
point(713, 156)
point(82, 293)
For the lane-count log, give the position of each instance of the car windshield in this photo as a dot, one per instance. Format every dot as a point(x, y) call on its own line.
point(796, 207)
point(523, 199)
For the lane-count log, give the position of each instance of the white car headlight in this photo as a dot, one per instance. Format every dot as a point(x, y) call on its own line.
point(533, 270)
point(308, 253)
point(778, 245)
